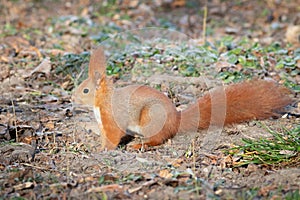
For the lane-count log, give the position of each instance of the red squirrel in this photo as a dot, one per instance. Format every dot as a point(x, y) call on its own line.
point(125, 111)
point(139, 110)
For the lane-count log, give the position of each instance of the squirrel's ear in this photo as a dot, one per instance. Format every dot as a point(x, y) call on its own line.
point(97, 76)
point(101, 81)
point(97, 62)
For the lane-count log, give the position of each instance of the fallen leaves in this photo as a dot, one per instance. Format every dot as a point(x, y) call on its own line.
point(146, 184)
point(17, 153)
point(264, 191)
point(4, 71)
point(106, 188)
point(44, 67)
point(165, 174)
point(22, 186)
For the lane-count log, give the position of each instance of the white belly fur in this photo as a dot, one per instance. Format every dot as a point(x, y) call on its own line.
point(98, 115)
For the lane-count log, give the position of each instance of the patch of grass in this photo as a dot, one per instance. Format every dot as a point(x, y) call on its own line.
point(71, 24)
point(18, 198)
point(147, 57)
point(282, 149)
point(10, 29)
point(165, 23)
point(232, 76)
point(130, 178)
point(133, 55)
point(71, 64)
point(292, 85)
point(250, 193)
point(105, 32)
point(254, 193)
point(292, 195)
point(107, 179)
point(108, 8)
point(191, 186)
point(244, 56)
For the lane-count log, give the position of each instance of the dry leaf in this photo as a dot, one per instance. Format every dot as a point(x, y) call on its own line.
point(22, 186)
point(165, 174)
point(252, 167)
point(177, 162)
point(4, 71)
point(287, 152)
point(37, 51)
point(49, 125)
point(178, 3)
point(112, 187)
point(16, 42)
point(5, 59)
point(264, 191)
point(43, 67)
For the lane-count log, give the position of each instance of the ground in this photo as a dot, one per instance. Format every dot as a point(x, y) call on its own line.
point(51, 149)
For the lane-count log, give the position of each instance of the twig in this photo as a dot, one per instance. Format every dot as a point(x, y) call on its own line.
point(37, 167)
point(204, 21)
point(194, 167)
point(14, 121)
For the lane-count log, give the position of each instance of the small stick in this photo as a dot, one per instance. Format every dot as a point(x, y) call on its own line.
point(204, 22)
point(14, 121)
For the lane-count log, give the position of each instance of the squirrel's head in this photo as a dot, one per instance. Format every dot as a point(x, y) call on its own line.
point(84, 93)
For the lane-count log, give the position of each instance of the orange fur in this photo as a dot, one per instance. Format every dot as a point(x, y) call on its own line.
point(111, 133)
point(256, 99)
point(124, 109)
point(145, 112)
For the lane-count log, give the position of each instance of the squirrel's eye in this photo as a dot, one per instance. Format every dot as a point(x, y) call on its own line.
point(85, 90)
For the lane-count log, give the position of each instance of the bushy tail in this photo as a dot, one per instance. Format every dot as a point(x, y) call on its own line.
point(256, 99)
